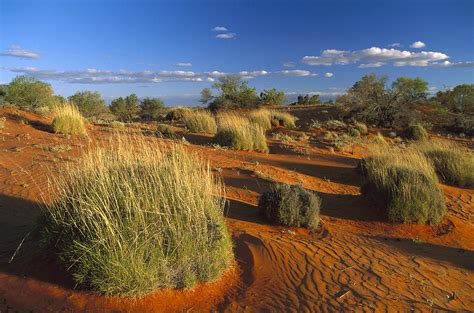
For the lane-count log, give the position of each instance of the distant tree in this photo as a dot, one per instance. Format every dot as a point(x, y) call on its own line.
point(90, 103)
point(233, 93)
point(314, 100)
point(151, 108)
point(408, 89)
point(29, 93)
point(460, 99)
point(300, 100)
point(272, 96)
point(206, 95)
point(306, 99)
point(3, 95)
point(125, 109)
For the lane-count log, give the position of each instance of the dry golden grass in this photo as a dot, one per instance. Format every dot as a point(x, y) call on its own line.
point(200, 122)
point(68, 120)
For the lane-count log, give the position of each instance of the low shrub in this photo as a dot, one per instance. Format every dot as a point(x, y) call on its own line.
point(239, 133)
point(335, 125)
point(362, 128)
point(315, 124)
point(416, 132)
point(200, 122)
point(68, 120)
point(392, 134)
point(261, 117)
point(177, 114)
point(353, 132)
point(452, 164)
point(284, 138)
point(404, 185)
point(290, 205)
point(284, 119)
point(164, 130)
point(117, 125)
point(128, 219)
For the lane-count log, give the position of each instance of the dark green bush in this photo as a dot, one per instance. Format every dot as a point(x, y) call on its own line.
point(416, 132)
point(290, 205)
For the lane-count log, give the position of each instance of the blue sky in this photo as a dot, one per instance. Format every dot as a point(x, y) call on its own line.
point(173, 49)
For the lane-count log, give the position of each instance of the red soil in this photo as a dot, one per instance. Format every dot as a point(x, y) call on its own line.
point(357, 261)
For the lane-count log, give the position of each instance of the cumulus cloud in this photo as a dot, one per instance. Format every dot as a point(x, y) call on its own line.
point(370, 65)
point(96, 76)
point(375, 56)
point(219, 29)
point(289, 64)
point(328, 74)
point(18, 52)
point(225, 36)
point(446, 63)
point(418, 44)
point(183, 64)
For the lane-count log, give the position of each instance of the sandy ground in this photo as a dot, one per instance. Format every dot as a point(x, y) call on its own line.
point(356, 261)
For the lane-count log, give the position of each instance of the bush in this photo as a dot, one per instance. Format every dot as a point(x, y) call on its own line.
point(416, 132)
point(452, 164)
point(362, 128)
point(164, 130)
point(284, 119)
point(354, 132)
point(404, 184)
point(200, 122)
point(238, 133)
point(335, 125)
point(177, 114)
point(290, 205)
point(129, 219)
point(392, 134)
point(117, 125)
point(315, 124)
point(262, 117)
point(68, 120)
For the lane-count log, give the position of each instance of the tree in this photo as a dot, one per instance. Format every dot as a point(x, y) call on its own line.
point(151, 108)
point(233, 93)
point(125, 108)
point(29, 93)
point(206, 95)
point(314, 100)
point(272, 96)
point(409, 89)
point(300, 100)
point(88, 102)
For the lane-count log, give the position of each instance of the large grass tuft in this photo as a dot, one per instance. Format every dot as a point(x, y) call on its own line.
point(129, 219)
point(416, 132)
point(200, 122)
point(68, 120)
point(284, 119)
point(404, 184)
point(239, 133)
point(290, 205)
point(261, 117)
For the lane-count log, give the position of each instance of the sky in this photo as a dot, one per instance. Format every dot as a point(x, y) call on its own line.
point(174, 49)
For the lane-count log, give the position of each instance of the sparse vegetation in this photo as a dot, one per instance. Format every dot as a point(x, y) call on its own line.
point(164, 130)
point(239, 133)
point(416, 132)
point(117, 125)
point(335, 125)
point(68, 120)
point(200, 122)
point(362, 128)
point(284, 119)
point(290, 205)
point(129, 219)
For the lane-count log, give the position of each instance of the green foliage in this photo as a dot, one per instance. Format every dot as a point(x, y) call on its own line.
point(335, 125)
point(459, 99)
point(29, 93)
point(151, 108)
point(272, 97)
point(416, 132)
point(200, 122)
point(125, 109)
point(89, 103)
point(233, 93)
point(307, 100)
point(411, 89)
point(354, 132)
point(290, 205)
point(128, 220)
point(362, 128)
point(206, 95)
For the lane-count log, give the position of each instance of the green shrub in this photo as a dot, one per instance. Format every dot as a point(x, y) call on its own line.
point(200, 122)
point(416, 132)
point(392, 134)
point(284, 119)
point(239, 133)
point(452, 164)
point(68, 120)
point(362, 128)
point(354, 132)
point(285, 138)
point(290, 205)
point(404, 185)
point(128, 220)
point(315, 124)
point(165, 130)
point(177, 114)
point(335, 125)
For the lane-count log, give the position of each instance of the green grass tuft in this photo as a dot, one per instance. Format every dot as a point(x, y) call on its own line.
point(200, 122)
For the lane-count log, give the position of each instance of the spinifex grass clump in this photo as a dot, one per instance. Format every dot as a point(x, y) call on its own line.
point(290, 205)
point(68, 120)
point(239, 133)
point(283, 119)
point(453, 164)
point(261, 117)
point(416, 132)
point(404, 184)
point(200, 122)
point(129, 219)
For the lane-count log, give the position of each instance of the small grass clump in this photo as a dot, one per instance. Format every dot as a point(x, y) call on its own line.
point(117, 125)
point(239, 133)
point(177, 113)
point(284, 119)
point(262, 117)
point(452, 164)
point(404, 184)
point(335, 125)
point(354, 132)
point(3, 120)
point(362, 128)
point(68, 120)
point(128, 219)
point(290, 205)
point(200, 122)
point(416, 132)
point(164, 130)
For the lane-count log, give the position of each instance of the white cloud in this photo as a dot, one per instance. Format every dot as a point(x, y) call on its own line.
point(219, 29)
point(328, 74)
point(295, 73)
point(418, 44)
point(375, 56)
point(18, 52)
point(395, 45)
point(225, 36)
point(369, 65)
point(183, 64)
point(289, 64)
point(446, 63)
